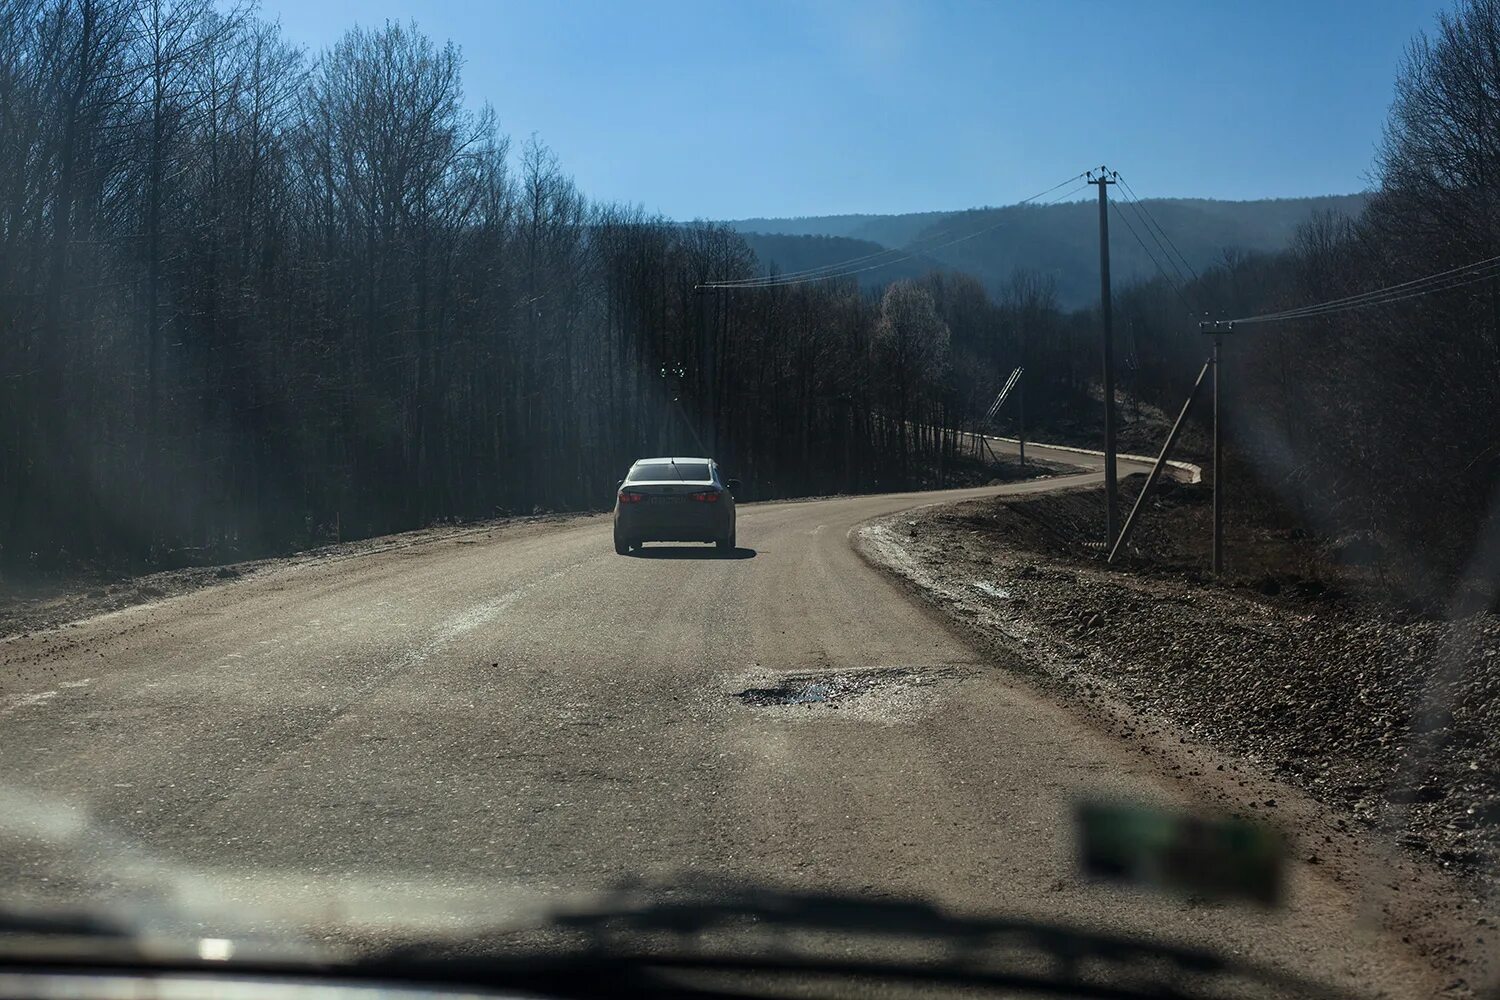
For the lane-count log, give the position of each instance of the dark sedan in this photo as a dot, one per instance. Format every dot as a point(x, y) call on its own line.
point(674, 500)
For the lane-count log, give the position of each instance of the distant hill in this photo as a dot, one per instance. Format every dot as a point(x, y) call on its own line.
point(1060, 240)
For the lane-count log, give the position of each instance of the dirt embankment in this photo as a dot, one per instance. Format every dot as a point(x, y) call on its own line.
point(1386, 712)
point(57, 599)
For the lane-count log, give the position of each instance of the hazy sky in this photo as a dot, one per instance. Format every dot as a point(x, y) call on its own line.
point(723, 109)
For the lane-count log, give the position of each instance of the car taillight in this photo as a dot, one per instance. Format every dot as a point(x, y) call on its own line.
point(708, 497)
point(632, 497)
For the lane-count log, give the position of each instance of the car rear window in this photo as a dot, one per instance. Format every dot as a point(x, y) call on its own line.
point(693, 472)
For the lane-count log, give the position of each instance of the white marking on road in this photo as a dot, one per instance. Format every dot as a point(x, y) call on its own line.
point(454, 628)
point(76, 684)
point(15, 701)
point(482, 614)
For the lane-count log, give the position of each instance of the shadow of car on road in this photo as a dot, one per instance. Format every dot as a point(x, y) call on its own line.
point(691, 552)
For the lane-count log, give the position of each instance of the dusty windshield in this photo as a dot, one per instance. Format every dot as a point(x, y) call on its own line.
point(1108, 402)
point(694, 472)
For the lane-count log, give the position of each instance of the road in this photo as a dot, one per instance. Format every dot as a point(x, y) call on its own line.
point(518, 709)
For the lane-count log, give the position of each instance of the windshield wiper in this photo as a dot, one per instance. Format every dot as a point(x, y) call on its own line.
point(974, 952)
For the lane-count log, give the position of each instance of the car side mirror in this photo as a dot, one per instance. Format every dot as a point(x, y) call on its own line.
point(731, 484)
point(620, 484)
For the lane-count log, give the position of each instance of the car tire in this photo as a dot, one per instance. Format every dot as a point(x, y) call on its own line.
point(726, 544)
point(622, 547)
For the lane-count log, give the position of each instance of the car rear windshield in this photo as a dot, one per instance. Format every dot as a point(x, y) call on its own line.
point(692, 472)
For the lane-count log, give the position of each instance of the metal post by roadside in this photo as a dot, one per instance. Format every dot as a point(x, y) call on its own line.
point(1161, 463)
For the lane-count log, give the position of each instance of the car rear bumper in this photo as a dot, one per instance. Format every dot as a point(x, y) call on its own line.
point(687, 521)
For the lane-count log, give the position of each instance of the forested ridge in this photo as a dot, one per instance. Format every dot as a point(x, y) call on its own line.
point(254, 298)
point(1060, 241)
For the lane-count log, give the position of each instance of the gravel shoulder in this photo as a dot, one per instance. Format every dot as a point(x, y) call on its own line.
point(1305, 708)
point(1335, 693)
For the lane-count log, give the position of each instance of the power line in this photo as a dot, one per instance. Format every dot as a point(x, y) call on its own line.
point(843, 269)
point(858, 270)
point(1168, 247)
point(1176, 288)
point(1043, 194)
point(1142, 243)
point(821, 271)
point(1391, 300)
point(1141, 206)
point(1066, 194)
point(786, 275)
point(1146, 224)
point(1442, 281)
point(1435, 282)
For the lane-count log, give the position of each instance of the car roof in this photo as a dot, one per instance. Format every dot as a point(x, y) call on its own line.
point(644, 461)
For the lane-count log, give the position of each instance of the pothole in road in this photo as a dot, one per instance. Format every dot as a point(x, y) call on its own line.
point(788, 693)
point(838, 686)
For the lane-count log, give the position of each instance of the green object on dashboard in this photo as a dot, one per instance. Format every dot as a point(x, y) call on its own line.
point(1148, 846)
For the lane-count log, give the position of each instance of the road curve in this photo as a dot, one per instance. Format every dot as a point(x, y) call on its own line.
point(521, 707)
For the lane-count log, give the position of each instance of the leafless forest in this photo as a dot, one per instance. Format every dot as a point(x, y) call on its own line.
point(252, 296)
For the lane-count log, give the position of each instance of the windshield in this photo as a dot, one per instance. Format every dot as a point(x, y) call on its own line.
point(693, 472)
point(1093, 420)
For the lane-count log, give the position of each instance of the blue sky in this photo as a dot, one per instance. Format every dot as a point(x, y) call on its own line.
point(718, 109)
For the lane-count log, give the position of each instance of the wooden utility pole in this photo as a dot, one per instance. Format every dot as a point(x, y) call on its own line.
point(1104, 177)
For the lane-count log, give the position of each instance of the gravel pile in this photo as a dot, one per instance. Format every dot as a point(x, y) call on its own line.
point(1386, 712)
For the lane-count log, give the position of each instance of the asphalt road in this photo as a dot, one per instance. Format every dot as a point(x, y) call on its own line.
point(518, 711)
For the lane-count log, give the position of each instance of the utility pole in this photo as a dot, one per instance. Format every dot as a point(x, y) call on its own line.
point(1021, 410)
point(1021, 397)
point(1104, 177)
point(1218, 459)
point(1218, 328)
